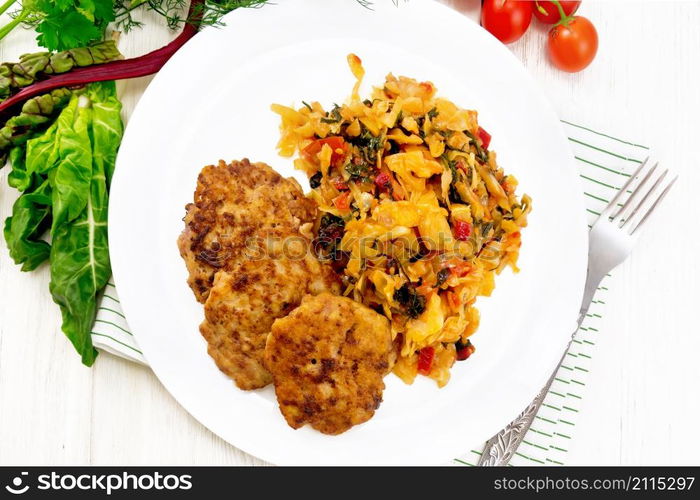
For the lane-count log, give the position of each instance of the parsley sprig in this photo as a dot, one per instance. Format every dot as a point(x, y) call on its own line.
point(61, 24)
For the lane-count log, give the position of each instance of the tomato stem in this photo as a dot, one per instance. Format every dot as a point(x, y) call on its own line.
point(541, 9)
point(564, 19)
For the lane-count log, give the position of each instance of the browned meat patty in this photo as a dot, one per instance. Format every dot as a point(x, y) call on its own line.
point(245, 301)
point(234, 204)
point(328, 359)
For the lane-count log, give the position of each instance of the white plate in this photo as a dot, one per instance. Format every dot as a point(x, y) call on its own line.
point(212, 101)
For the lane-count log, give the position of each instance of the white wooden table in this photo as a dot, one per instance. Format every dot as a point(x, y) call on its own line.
point(642, 402)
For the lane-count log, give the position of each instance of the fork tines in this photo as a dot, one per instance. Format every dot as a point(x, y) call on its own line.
point(642, 200)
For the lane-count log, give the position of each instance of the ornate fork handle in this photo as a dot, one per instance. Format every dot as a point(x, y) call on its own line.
point(500, 448)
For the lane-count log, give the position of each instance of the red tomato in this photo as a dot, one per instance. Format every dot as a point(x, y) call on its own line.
point(485, 138)
point(507, 20)
point(573, 45)
point(334, 142)
point(551, 14)
point(462, 229)
point(342, 201)
point(425, 360)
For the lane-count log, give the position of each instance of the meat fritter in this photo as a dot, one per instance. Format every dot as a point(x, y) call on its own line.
point(245, 301)
point(233, 204)
point(328, 359)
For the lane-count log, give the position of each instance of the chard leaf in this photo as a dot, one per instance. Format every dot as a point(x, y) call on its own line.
point(33, 159)
point(70, 178)
point(79, 256)
point(18, 178)
point(30, 219)
point(42, 151)
point(80, 267)
point(107, 127)
point(65, 173)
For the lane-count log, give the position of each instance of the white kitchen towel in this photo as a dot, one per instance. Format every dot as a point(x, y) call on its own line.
point(604, 164)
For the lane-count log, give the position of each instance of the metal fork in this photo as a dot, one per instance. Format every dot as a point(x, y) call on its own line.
point(611, 239)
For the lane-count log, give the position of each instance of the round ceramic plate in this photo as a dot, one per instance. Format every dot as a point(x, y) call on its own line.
point(212, 101)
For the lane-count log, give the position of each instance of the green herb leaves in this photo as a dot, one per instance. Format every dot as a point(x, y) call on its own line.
point(333, 116)
point(69, 167)
point(65, 24)
point(412, 302)
point(207, 13)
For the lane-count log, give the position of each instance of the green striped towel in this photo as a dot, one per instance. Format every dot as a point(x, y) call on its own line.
point(604, 164)
point(111, 332)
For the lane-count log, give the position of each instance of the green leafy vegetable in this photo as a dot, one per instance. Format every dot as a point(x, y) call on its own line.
point(39, 112)
point(79, 253)
point(368, 145)
point(70, 164)
point(71, 176)
point(23, 230)
point(333, 116)
point(63, 24)
point(107, 127)
point(358, 170)
point(39, 65)
point(35, 115)
point(413, 302)
point(18, 178)
point(481, 154)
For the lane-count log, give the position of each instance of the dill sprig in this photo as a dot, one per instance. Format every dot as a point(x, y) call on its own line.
point(175, 11)
point(368, 4)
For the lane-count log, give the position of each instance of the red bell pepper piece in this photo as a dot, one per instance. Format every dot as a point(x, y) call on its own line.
point(342, 201)
point(425, 360)
point(462, 229)
point(334, 142)
point(485, 138)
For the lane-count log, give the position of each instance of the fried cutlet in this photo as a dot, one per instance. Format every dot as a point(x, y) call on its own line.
point(328, 359)
point(233, 204)
point(245, 301)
